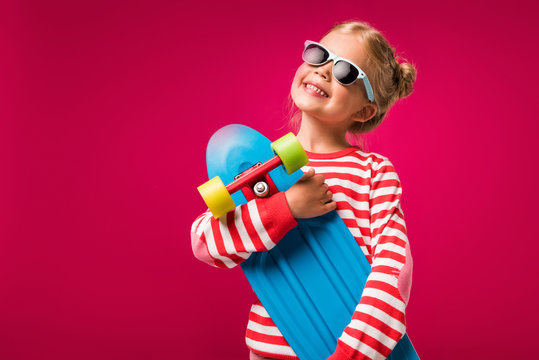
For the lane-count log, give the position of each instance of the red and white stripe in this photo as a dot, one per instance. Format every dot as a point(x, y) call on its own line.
point(367, 191)
point(231, 239)
point(263, 337)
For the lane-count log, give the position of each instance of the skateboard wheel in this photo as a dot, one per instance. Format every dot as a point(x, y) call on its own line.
point(291, 152)
point(216, 196)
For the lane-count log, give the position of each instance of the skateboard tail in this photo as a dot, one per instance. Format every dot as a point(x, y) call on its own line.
point(310, 284)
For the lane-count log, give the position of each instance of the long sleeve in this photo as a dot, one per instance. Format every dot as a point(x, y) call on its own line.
point(255, 226)
point(378, 322)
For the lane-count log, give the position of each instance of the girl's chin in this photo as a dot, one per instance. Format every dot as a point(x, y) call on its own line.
point(305, 102)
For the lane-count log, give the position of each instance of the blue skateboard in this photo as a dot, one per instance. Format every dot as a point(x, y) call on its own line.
point(312, 280)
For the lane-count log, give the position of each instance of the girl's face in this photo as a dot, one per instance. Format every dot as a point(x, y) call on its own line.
point(340, 105)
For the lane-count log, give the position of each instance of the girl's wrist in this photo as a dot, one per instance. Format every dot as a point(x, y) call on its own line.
point(289, 201)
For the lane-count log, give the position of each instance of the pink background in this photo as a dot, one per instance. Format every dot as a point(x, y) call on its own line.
point(106, 109)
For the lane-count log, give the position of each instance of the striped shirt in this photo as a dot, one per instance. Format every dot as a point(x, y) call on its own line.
point(368, 193)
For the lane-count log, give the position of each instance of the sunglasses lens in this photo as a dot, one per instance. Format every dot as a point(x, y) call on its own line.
point(314, 54)
point(344, 72)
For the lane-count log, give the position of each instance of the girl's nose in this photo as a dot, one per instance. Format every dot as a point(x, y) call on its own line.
point(324, 70)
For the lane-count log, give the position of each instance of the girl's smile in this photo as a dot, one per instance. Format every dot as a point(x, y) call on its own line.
point(315, 89)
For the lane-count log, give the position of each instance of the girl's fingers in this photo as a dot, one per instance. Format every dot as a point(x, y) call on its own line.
point(327, 196)
point(308, 174)
point(319, 179)
point(329, 206)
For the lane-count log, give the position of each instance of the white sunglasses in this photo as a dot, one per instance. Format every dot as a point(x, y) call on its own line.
point(344, 71)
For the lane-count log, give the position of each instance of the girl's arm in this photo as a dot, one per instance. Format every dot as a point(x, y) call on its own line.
point(378, 322)
point(255, 226)
point(258, 225)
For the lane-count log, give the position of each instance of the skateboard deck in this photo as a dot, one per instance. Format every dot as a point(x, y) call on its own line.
point(311, 281)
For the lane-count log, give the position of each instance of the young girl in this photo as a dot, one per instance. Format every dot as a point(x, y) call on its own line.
point(346, 85)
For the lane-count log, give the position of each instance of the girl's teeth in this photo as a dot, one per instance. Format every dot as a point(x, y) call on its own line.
point(312, 87)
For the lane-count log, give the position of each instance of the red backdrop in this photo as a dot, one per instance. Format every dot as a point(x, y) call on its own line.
point(106, 110)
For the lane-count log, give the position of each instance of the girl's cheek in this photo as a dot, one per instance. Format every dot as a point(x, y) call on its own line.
point(298, 75)
point(296, 83)
point(302, 70)
point(301, 74)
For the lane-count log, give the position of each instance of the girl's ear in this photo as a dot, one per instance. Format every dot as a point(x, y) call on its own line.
point(366, 113)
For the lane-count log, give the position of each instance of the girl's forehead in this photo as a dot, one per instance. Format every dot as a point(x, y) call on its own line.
point(345, 45)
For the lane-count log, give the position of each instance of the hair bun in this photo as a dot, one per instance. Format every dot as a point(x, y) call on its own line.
point(405, 74)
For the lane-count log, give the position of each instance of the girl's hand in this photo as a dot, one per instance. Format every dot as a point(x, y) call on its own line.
point(310, 197)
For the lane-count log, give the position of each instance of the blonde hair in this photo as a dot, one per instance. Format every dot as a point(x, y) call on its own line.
point(390, 77)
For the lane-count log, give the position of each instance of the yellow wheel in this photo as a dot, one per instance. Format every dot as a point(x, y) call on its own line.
point(216, 196)
point(291, 152)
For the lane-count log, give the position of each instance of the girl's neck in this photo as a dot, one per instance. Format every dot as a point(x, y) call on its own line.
point(317, 137)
